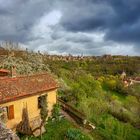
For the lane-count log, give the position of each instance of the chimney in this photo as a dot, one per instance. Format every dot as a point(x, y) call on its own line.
point(13, 71)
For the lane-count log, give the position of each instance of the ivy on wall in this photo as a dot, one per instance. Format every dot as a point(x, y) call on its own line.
point(43, 107)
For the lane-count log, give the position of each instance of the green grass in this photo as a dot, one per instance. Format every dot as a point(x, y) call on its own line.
point(109, 128)
point(55, 130)
point(115, 93)
point(120, 96)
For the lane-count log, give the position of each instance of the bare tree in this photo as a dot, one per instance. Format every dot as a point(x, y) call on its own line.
point(9, 45)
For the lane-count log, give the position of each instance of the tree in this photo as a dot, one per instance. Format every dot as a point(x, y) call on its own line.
point(56, 111)
point(43, 108)
point(24, 126)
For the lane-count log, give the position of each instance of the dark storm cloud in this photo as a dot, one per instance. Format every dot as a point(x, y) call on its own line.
point(127, 21)
point(86, 18)
point(79, 38)
point(4, 12)
point(120, 18)
point(17, 17)
point(85, 26)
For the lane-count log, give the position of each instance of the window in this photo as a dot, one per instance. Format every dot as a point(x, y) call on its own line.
point(10, 112)
point(39, 102)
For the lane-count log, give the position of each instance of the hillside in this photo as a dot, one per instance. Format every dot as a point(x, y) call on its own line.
point(91, 85)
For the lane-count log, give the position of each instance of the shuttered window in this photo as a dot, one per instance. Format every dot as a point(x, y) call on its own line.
point(11, 112)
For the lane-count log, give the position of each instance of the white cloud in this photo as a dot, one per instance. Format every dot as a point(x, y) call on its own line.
point(52, 38)
point(42, 28)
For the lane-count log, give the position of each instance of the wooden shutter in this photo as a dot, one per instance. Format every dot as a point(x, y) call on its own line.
point(11, 112)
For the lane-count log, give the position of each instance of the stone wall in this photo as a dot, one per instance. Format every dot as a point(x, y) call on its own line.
point(7, 134)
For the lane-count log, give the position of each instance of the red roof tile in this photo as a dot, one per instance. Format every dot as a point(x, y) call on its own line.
point(19, 87)
point(4, 70)
point(137, 78)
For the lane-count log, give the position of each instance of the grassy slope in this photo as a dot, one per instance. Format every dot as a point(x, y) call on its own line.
point(91, 97)
point(56, 131)
point(86, 93)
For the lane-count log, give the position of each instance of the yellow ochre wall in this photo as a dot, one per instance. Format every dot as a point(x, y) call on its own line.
point(32, 106)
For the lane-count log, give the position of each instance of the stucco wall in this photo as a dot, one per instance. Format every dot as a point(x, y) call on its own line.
point(32, 105)
point(51, 100)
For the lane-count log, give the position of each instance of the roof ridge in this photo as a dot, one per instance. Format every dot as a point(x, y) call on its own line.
point(24, 76)
point(32, 75)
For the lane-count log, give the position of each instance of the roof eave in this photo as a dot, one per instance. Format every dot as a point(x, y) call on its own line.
point(26, 95)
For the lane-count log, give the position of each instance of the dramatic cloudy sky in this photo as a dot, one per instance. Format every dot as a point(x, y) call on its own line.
point(89, 27)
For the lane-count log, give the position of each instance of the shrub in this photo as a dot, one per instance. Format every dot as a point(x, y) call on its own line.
point(56, 111)
point(111, 84)
point(112, 129)
point(75, 134)
point(43, 108)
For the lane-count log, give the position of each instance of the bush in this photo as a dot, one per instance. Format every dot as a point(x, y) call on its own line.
point(75, 134)
point(112, 129)
point(56, 111)
point(111, 84)
point(93, 107)
point(43, 108)
point(134, 90)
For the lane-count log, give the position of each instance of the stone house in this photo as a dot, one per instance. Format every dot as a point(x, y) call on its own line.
point(16, 92)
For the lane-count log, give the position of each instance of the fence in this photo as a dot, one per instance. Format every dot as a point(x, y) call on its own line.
point(77, 115)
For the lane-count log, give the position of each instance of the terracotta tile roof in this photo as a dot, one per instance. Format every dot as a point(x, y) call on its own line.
point(4, 70)
point(137, 78)
point(19, 87)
